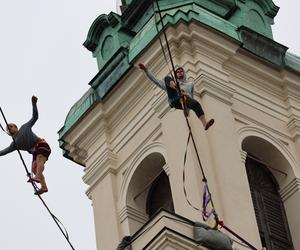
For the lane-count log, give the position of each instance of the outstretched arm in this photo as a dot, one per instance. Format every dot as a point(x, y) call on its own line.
point(159, 83)
point(7, 150)
point(35, 114)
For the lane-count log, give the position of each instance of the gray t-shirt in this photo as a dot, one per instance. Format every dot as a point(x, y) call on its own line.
point(25, 139)
point(184, 84)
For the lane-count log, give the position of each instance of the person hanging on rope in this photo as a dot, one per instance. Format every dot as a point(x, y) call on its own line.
point(25, 139)
point(186, 90)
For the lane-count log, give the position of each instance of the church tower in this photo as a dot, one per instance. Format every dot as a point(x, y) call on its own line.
point(132, 144)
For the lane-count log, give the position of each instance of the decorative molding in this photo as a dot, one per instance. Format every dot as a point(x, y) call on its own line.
point(160, 103)
point(290, 189)
point(170, 239)
point(279, 143)
point(106, 162)
point(128, 99)
point(149, 143)
point(78, 154)
point(135, 158)
point(205, 42)
point(167, 169)
point(259, 76)
point(243, 156)
point(131, 129)
point(131, 213)
point(294, 127)
point(292, 91)
point(262, 104)
point(95, 181)
point(246, 119)
point(215, 88)
point(167, 230)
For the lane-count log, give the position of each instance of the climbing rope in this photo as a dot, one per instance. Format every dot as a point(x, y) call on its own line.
point(28, 174)
point(207, 197)
point(160, 41)
point(186, 119)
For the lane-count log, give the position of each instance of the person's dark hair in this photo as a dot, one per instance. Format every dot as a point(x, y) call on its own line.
point(178, 69)
point(10, 125)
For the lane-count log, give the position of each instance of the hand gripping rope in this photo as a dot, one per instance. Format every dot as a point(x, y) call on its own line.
point(55, 219)
point(207, 197)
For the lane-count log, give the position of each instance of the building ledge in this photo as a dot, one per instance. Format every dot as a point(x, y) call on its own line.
point(166, 230)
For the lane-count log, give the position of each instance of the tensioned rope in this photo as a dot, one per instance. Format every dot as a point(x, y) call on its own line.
point(55, 219)
point(209, 199)
point(186, 119)
point(171, 73)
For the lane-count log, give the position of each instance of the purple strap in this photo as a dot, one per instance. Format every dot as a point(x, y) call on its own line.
point(206, 199)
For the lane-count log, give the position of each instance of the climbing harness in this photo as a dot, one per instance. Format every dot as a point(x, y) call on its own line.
point(35, 187)
point(207, 197)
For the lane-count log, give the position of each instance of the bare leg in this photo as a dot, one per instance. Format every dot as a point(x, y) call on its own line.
point(33, 167)
point(203, 120)
point(206, 124)
point(33, 171)
point(40, 166)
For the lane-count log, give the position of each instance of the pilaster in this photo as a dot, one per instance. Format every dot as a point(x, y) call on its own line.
point(291, 198)
point(105, 212)
point(229, 166)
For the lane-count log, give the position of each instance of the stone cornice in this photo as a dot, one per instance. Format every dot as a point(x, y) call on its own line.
point(262, 46)
point(215, 88)
point(78, 154)
point(75, 154)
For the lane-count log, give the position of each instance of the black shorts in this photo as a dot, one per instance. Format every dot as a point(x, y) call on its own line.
point(41, 148)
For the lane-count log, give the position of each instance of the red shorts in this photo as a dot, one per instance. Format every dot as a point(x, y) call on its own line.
point(41, 148)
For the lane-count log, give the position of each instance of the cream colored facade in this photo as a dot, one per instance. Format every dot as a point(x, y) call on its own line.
point(128, 139)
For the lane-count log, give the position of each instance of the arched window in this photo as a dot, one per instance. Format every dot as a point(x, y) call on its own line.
point(159, 195)
point(148, 190)
point(268, 206)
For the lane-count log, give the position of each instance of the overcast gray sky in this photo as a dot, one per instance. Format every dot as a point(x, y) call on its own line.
point(41, 53)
